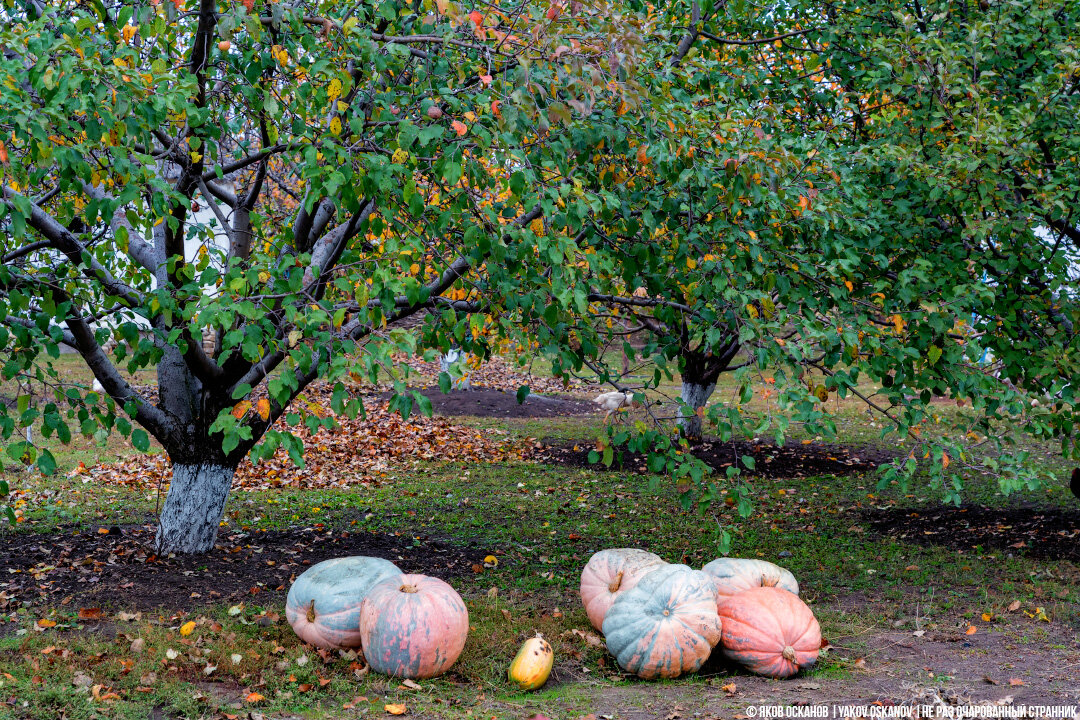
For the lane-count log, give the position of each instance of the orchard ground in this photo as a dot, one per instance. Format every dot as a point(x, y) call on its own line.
point(919, 601)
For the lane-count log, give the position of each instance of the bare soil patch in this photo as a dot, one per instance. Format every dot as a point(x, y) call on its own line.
point(1044, 533)
point(118, 568)
point(494, 402)
point(770, 460)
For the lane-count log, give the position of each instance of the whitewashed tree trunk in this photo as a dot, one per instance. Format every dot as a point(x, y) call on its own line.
point(695, 395)
point(194, 507)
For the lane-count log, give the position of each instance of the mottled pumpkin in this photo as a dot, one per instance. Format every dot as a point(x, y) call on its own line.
point(610, 573)
point(666, 625)
point(735, 575)
point(770, 631)
point(413, 626)
point(532, 665)
point(323, 605)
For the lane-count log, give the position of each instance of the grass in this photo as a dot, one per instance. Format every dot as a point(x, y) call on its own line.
point(542, 523)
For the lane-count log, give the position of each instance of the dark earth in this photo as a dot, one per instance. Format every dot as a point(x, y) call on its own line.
point(119, 567)
point(770, 460)
point(1044, 533)
point(492, 402)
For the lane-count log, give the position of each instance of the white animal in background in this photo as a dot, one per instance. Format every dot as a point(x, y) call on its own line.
point(615, 400)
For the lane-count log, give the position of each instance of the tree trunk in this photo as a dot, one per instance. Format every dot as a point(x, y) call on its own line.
point(194, 507)
point(694, 394)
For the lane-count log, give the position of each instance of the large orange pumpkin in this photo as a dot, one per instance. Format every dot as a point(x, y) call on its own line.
point(770, 631)
point(666, 625)
point(413, 626)
point(323, 605)
point(610, 573)
point(735, 575)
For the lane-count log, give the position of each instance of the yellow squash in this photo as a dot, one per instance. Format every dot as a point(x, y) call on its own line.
point(532, 666)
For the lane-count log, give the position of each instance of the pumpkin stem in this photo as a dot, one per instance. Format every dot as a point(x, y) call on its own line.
point(409, 589)
point(614, 586)
point(789, 654)
point(311, 612)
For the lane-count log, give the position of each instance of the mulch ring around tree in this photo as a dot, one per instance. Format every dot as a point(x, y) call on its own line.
point(1044, 533)
point(89, 568)
point(492, 402)
point(791, 461)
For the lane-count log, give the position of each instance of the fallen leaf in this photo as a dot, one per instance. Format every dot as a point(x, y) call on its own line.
point(971, 630)
point(254, 697)
point(187, 628)
point(412, 685)
point(1015, 682)
point(729, 688)
point(46, 623)
point(396, 709)
point(91, 613)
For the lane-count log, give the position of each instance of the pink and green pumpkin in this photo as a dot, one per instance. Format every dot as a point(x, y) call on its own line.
point(735, 575)
point(666, 625)
point(609, 574)
point(323, 606)
point(413, 626)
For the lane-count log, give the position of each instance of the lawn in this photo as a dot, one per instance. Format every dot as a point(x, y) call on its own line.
point(917, 600)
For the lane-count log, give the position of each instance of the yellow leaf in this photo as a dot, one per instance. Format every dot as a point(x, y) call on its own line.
point(187, 628)
point(128, 31)
point(987, 617)
point(46, 623)
point(335, 125)
point(333, 90)
point(395, 709)
point(263, 408)
point(691, 263)
point(848, 285)
point(400, 156)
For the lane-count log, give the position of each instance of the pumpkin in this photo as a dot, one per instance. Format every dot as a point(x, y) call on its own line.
point(770, 631)
point(666, 625)
point(413, 626)
point(610, 573)
point(734, 575)
point(532, 665)
point(323, 605)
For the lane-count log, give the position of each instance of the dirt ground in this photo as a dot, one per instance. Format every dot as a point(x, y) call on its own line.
point(770, 460)
point(492, 402)
point(118, 569)
point(1046, 533)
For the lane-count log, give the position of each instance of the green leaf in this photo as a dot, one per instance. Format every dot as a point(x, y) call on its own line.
point(140, 440)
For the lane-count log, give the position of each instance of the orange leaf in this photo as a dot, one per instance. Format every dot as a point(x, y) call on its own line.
point(944, 460)
point(459, 127)
point(495, 108)
point(486, 79)
point(187, 628)
point(971, 630)
point(91, 613)
point(396, 709)
point(642, 156)
point(477, 17)
point(553, 12)
point(254, 697)
point(3, 154)
point(1015, 681)
point(263, 408)
point(240, 409)
point(987, 617)
point(46, 623)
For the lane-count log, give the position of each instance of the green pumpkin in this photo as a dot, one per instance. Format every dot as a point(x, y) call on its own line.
point(323, 606)
point(666, 625)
